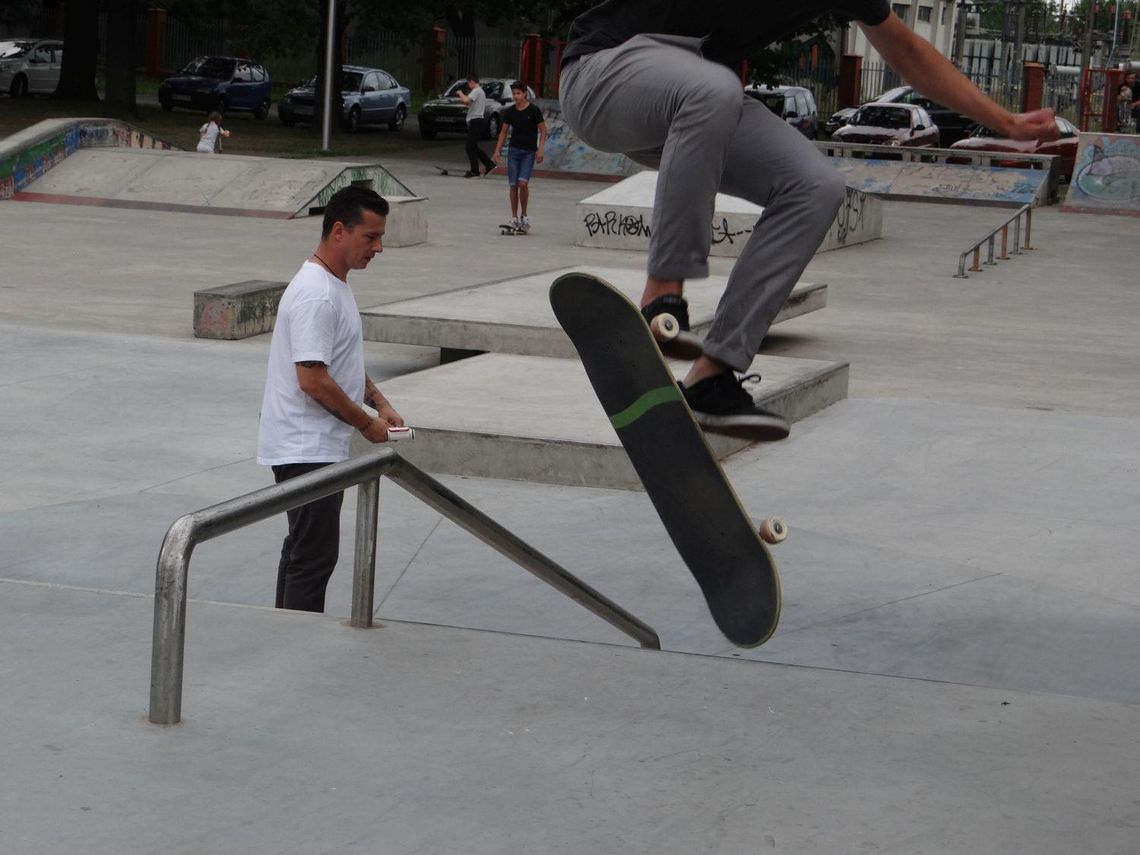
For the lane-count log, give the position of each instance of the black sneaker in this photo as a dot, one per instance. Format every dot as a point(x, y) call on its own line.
point(672, 332)
point(487, 170)
point(721, 405)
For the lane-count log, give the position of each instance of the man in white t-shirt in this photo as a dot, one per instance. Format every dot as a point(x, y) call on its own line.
point(315, 380)
point(476, 100)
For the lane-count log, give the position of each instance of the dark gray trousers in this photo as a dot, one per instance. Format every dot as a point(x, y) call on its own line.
point(656, 99)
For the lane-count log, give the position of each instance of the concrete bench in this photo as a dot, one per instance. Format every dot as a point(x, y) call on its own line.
point(240, 310)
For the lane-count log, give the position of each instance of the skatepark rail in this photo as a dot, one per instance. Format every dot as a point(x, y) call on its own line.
point(976, 249)
point(364, 472)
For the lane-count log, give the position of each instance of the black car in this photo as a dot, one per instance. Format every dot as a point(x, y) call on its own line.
point(447, 114)
point(794, 104)
point(952, 125)
point(222, 83)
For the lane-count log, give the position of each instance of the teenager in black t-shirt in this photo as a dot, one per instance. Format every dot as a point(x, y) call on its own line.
point(528, 139)
point(657, 80)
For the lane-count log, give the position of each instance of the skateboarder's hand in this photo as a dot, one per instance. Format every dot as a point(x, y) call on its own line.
point(539, 156)
point(1035, 125)
point(389, 415)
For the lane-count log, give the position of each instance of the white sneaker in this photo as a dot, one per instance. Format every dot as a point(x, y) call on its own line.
point(524, 224)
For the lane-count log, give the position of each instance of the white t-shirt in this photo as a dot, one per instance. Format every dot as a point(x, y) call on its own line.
point(317, 321)
point(478, 103)
point(208, 140)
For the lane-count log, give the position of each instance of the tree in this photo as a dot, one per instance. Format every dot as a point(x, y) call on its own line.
point(80, 52)
point(122, 59)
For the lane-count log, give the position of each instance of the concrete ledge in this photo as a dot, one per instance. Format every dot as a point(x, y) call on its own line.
point(621, 217)
point(528, 418)
point(514, 316)
point(406, 224)
point(240, 310)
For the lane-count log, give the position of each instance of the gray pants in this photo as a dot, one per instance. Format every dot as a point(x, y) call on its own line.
point(656, 99)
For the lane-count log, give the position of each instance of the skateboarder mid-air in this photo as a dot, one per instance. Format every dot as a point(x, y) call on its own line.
point(657, 80)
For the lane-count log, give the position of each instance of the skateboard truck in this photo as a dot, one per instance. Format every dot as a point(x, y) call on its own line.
point(773, 530)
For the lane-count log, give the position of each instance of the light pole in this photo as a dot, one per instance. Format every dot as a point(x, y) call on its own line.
point(327, 94)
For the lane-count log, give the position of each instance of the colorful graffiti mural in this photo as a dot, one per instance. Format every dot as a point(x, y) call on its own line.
point(1106, 177)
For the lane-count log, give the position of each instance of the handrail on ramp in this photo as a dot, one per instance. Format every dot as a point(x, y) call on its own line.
point(976, 249)
point(365, 471)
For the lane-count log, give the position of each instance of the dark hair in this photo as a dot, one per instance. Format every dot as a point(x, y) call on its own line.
point(519, 85)
point(473, 76)
point(348, 204)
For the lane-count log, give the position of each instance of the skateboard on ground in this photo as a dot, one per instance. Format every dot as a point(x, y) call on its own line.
point(455, 172)
point(700, 510)
point(508, 229)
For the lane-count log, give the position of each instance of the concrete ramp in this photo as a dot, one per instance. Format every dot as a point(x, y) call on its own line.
point(514, 315)
point(621, 217)
point(204, 183)
point(1106, 176)
point(945, 182)
point(567, 156)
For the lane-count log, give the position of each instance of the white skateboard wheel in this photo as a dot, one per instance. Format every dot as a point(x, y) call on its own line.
point(773, 530)
point(664, 327)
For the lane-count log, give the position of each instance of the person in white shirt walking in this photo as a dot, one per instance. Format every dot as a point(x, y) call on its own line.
point(476, 100)
point(316, 378)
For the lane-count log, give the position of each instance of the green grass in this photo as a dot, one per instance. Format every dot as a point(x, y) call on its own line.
point(180, 128)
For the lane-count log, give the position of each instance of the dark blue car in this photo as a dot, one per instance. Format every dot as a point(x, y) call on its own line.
point(222, 83)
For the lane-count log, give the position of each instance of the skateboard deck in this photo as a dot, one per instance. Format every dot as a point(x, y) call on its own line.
point(701, 512)
point(508, 229)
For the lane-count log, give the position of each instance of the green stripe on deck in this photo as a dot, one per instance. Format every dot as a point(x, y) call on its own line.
point(651, 399)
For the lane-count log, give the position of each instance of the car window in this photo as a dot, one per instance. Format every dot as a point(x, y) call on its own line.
point(810, 101)
point(242, 73)
point(493, 90)
point(8, 50)
point(57, 54)
point(882, 117)
point(42, 54)
point(385, 81)
point(370, 82)
point(923, 118)
point(454, 88)
point(213, 67)
point(258, 73)
point(772, 100)
point(801, 104)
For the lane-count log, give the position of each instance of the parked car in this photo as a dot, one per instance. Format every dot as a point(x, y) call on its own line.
point(793, 104)
point(985, 139)
point(952, 125)
point(370, 96)
point(222, 83)
point(447, 114)
point(30, 66)
point(890, 124)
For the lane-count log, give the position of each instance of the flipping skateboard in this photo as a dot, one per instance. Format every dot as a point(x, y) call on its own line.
point(700, 510)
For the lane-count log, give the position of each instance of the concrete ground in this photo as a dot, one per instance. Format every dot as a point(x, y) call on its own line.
point(955, 667)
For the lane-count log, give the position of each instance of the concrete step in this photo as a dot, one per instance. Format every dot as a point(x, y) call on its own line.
point(530, 418)
point(621, 217)
point(514, 315)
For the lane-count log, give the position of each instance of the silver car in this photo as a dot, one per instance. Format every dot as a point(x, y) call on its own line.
point(30, 66)
point(370, 96)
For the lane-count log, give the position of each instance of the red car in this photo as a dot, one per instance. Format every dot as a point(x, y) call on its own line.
point(890, 124)
point(984, 139)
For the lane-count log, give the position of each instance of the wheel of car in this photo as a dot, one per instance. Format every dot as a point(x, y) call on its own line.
point(426, 132)
point(493, 125)
point(262, 111)
point(352, 123)
point(397, 122)
point(19, 87)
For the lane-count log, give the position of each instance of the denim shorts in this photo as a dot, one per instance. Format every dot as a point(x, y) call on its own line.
point(520, 165)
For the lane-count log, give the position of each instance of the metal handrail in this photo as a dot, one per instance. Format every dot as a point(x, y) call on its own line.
point(169, 640)
point(1018, 246)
